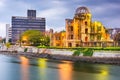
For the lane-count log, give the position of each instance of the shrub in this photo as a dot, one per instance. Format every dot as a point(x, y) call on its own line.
point(25, 50)
point(76, 53)
point(85, 51)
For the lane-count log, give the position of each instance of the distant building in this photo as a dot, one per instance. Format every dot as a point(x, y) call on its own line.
point(82, 32)
point(0, 38)
point(8, 33)
point(115, 31)
point(31, 22)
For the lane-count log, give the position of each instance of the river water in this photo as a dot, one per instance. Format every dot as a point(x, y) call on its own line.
point(21, 68)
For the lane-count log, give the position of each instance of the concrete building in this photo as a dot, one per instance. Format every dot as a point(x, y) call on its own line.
point(0, 38)
point(8, 33)
point(82, 32)
point(31, 22)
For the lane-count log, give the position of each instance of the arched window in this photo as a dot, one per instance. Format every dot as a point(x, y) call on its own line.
point(69, 44)
point(71, 28)
point(86, 23)
point(86, 31)
point(71, 37)
point(86, 39)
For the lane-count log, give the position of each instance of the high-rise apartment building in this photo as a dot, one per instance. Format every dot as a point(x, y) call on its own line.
point(31, 22)
point(8, 33)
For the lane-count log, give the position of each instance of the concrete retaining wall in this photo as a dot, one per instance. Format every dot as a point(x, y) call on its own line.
point(100, 60)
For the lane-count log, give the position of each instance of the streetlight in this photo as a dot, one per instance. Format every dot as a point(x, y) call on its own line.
point(20, 31)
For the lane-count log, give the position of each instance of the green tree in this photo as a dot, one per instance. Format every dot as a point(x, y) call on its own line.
point(46, 41)
point(32, 37)
point(8, 45)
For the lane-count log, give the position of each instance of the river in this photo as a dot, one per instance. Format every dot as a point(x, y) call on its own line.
point(21, 68)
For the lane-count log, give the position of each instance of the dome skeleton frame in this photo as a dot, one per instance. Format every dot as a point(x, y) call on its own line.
point(82, 10)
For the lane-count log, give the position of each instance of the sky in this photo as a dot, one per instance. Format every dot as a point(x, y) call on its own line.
point(56, 11)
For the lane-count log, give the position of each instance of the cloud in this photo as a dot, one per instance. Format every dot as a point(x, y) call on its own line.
point(2, 30)
point(56, 11)
point(2, 4)
point(53, 13)
point(107, 13)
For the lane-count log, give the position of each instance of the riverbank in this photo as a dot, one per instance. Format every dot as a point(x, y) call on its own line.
point(79, 59)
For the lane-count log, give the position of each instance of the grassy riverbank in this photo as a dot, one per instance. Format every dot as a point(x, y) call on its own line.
point(94, 48)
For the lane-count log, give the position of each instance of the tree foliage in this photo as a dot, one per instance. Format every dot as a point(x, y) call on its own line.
point(35, 38)
point(8, 45)
point(31, 37)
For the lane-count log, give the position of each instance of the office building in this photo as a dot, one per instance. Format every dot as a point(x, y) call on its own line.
point(31, 22)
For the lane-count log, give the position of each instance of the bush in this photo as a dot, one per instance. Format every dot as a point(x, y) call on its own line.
point(25, 50)
point(76, 53)
point(85, 51)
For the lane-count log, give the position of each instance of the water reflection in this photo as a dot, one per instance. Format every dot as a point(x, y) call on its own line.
point(104, 73)
point(13, 68)
point(65, 71)
point(42, 64)
point(101, 72)
point(24, 68)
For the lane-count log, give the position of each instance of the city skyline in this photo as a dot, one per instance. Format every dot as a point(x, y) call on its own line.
point(56, 11)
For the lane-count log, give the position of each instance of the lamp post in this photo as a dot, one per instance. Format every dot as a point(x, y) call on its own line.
point(20, 31)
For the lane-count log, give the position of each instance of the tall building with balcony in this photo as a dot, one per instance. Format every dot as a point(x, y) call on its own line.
point(31, 22)
point(8, 33)
point(82, 32)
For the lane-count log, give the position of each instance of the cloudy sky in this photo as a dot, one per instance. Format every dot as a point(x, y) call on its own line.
point(56, 11)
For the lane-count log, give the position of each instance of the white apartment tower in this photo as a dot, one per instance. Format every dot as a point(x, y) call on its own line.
point(8, 32)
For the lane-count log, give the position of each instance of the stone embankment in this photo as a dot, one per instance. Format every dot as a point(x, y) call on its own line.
point(101, 60)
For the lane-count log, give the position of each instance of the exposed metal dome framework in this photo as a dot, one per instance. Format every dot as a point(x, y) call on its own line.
point(81, 10)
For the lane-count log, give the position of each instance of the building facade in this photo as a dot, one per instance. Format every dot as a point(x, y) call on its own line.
point(82, 32)
point(8, 33)
point(31, 22)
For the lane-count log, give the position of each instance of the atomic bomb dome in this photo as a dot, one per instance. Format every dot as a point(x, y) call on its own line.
point(82, 10)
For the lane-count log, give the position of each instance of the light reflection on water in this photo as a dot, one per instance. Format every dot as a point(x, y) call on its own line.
point(24, 68)
point(65, 71)
point(42, 64)
point(42, 69)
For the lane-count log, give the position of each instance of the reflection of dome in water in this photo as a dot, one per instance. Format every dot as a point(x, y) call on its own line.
point(81, 10)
